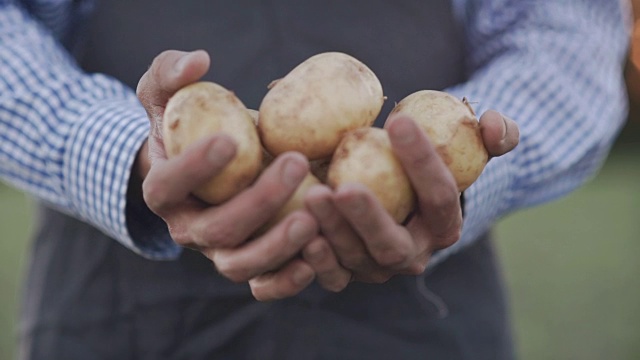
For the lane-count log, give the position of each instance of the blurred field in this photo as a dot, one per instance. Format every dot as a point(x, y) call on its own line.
point(15, 214)
point(571, 267)
point(573, 270)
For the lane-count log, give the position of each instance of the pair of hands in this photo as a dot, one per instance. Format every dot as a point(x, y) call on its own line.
point(343, 235)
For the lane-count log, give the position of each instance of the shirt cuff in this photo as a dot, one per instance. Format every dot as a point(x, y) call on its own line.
point(101, 150)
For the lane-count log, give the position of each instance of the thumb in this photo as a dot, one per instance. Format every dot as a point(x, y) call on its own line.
point(169, 72)
point(500, 134)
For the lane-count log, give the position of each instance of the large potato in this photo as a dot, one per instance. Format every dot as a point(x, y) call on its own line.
point(365, 156)
point(453, 128)
point(203, 109)
point(316, 103)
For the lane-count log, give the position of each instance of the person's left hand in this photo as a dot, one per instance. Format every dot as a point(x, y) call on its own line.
point(366, 239)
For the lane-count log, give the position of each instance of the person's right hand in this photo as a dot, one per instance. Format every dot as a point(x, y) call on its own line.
point(221, 232)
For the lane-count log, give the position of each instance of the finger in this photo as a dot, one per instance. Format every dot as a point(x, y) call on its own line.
point(329, 274)
point(294, 277)
point(419, 264)
point(436, 189)
point(346, 243)
point(499, 133)
point(268, 252)
point(388, 243)
point(171, 181)
point(169, 72)
point(253, 207)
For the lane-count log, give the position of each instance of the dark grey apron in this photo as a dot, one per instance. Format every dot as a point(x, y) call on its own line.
point(87, 297)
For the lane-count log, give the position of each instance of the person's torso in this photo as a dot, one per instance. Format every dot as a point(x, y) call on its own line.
point(81, 279)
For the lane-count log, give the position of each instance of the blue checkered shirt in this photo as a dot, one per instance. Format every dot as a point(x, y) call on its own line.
point(70, 138)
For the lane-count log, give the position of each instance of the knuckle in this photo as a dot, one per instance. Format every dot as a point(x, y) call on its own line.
point(417, 268)
point(232, 271)
point(355, 260)
point(180, 237)
point(391, 257)
point(143, 87)
point(154, 194)
point(266, 293)
point(337, 285)
point(448, 239)
point(444, 196)
point(209, 233)
point(260, 295)
point(159, 61)
point(151, 76)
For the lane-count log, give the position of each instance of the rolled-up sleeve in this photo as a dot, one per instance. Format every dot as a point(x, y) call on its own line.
point(67, 137)
point(556, 68)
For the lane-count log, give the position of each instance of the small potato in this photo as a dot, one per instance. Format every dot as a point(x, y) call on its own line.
point(203, 109)
point(453, 128)
point(365, 156)
point(295, 202)
point(316, 103)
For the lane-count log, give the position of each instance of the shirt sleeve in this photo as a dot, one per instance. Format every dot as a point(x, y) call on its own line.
point(556, 68)
point(70, 138)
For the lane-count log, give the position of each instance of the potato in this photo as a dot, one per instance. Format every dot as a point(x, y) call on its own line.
point(316, 103)
point(365, 156)
point(317, 167)
point(295, 202)
point(203, 109)
point(453, 128)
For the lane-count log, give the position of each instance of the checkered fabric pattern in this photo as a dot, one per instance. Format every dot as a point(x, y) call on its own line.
point(555, 67)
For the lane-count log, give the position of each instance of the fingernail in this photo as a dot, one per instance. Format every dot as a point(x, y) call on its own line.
point(180, 64)
point(293, 172)
point(299, 233)
point(504, 129)
point(402, 131)
point(303, 276)
point(221, 152)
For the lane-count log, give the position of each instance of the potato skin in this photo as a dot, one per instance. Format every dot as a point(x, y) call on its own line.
point(203, 109)
point(365, 156)
point(316, 103)
point(453, 128)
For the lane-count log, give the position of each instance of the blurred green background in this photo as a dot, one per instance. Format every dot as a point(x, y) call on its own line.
point(571, 265)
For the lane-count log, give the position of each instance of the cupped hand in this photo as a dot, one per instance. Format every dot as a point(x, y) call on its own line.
point(364, 237)
point(223, 233)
